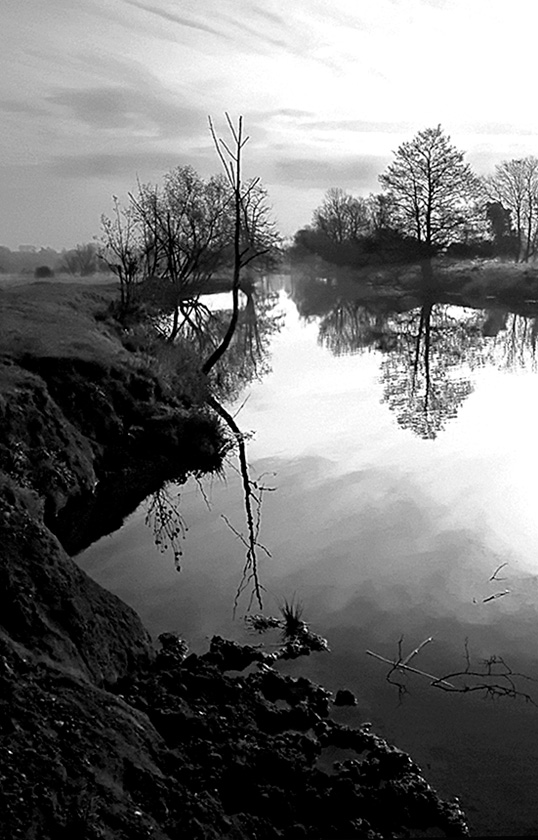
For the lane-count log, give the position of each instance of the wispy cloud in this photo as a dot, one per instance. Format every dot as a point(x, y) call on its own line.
point(152, 111)
point(258, 33)
point(181, 20)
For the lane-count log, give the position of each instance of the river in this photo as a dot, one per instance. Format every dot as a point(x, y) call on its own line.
point(402, 507)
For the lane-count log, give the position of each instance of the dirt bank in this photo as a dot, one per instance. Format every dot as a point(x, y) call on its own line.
point(104, 733)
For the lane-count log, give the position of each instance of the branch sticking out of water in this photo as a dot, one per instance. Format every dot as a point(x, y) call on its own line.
point(399, 665)
point(498, 569)
point(493, 678)
point(495, 596)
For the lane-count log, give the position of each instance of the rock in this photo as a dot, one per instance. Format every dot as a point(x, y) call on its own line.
point(344, 697)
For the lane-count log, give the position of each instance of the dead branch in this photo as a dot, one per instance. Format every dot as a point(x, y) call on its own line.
point(495, 678)
point(400, 666)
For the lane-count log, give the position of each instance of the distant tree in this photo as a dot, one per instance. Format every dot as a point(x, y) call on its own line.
point(341, 217)
point(431, 188)
point(81, 260)
point(121, 248)
point(505, 239)
point(381, 212)
point(514, 185)
point(6, 260)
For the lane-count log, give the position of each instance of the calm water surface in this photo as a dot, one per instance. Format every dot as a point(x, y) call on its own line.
point(383, 533)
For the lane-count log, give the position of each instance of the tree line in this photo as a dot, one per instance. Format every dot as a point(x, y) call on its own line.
point(431, 201)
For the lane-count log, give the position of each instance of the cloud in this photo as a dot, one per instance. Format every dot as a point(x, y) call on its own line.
point(171, 17)
point(349, 172)
point(146, 163)
point(258, 32)
point(14, 106)
point(114, 107)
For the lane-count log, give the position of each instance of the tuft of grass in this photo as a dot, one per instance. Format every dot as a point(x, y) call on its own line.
point(292, 623)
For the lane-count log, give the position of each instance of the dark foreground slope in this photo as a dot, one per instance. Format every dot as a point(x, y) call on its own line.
point(102, 736)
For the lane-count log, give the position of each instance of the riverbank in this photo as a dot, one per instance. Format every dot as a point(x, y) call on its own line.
point(107, 734)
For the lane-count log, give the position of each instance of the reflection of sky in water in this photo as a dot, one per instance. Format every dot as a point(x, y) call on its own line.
point(381, 534)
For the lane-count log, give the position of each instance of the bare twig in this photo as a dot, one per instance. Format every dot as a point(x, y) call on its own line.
point(498, 569)
point(399, 666)
point(417, 650)
point(495, 596)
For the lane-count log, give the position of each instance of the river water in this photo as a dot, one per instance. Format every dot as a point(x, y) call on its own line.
point(403, 475)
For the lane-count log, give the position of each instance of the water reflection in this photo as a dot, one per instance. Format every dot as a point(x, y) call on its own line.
point(429, 347)
point(382, 533)
point(247, 357)
point(245, 360)
point(421, 374)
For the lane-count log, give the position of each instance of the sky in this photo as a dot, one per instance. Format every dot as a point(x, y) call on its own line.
point(95, 94)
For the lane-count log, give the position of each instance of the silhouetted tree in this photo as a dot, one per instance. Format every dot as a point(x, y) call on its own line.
point(431, 188)
point(253, 231)
point(341, 217)
point(121, 249)
point(185, 226)
point(514, 185)
point(505, 240)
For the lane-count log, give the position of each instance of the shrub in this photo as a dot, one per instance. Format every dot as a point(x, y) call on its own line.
point(43, 271)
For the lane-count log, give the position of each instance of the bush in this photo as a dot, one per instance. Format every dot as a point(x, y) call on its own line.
point(43, 271)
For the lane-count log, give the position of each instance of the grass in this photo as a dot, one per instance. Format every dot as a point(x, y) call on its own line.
point(47, 319)
point(292, 623)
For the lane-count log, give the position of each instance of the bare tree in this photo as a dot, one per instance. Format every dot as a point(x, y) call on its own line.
point(254, 233)
point(186, 226)
point(514, 185)
point(431, 187)
point(121, 248)
point(81, 260)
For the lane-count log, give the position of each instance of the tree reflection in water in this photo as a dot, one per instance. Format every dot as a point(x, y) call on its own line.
point(421, 375)
point(429, 347)
point(246, 359)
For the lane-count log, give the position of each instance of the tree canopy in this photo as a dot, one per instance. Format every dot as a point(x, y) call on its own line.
point(432, 188)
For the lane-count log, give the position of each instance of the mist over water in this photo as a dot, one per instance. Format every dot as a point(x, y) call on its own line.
point(401, 446)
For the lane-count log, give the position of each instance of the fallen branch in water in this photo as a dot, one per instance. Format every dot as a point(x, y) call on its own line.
point(494, 679)
point(401, 664)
